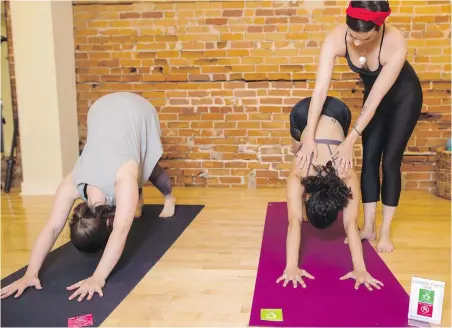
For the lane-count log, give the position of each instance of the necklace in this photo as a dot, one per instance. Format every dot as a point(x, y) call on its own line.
point(362, 59)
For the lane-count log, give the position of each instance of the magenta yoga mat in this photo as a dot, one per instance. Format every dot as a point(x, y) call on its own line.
point(326, 300)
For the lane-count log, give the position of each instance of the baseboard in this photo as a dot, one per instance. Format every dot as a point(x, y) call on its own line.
point(35, 188)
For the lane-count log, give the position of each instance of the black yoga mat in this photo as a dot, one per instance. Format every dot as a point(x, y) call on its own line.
point(149, 239)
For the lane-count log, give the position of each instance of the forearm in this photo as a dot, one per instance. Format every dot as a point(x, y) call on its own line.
point(112, 253)
point(41, 249)
point(367, 113)
point(356, 249)
point(293, 242)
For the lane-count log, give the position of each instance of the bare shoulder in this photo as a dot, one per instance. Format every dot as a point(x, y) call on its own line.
point(67, 188)
point(394, 44)
point(349, 176)
point(296, 172)
point(335, 40)
point(393, 34)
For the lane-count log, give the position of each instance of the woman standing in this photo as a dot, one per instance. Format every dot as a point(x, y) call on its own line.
point(392, 105)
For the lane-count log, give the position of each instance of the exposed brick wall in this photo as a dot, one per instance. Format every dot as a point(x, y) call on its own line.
point(225, 74)
point(17, 173)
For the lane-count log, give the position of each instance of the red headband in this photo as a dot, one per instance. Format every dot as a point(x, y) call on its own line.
point(377, 17)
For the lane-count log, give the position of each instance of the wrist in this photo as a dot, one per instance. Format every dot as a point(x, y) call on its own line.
point(292, 265)
point(360, 268)
point(99, 276)
point(352, 137)
point(31, 273)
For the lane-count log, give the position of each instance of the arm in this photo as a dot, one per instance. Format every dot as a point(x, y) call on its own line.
point(65, 197)
point(330, 50)
point(126, 190)
point(351, 212)
point(383, 84)
point(294, 193)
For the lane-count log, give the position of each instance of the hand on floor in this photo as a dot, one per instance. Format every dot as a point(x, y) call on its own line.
point(363, 277)
point(295, 275)
point(20, 285)
point(87, 287)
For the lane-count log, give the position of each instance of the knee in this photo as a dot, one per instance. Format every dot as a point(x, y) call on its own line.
point(391, 165)
point(371, 162)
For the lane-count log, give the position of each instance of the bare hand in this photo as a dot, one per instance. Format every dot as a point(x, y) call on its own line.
point(87, 287)
point(343, 156)
point(295, 275)
point(308, 148)
point(20, 285)
point(363, 277)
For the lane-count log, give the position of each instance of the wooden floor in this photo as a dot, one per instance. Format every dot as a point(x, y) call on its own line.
point(207, 277)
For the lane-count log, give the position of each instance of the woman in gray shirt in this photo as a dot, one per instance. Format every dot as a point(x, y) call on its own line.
point(121, 154)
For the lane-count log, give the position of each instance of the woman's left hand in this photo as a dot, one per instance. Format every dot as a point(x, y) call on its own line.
point(87, 287)
point(363, 277)
point(343, 156)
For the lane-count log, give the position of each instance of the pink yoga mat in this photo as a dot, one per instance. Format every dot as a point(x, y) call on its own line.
point(326, 301)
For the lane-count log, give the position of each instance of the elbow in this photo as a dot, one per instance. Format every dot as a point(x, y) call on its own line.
point(52, 230)
point(350, 226)
point(294, 225)
point(120, 232)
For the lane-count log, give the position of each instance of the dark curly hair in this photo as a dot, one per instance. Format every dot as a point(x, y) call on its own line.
point(88, 227)
point(359, 25)
point(327, 195)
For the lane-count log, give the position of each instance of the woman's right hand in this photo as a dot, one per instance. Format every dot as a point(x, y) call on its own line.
point(20, 285)
point(308, 147)
point(295, 275)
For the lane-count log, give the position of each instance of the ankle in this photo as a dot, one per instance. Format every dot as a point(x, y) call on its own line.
point(369, 227)
point(385, 229)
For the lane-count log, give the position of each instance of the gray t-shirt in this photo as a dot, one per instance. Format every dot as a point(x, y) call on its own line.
point(122, 126)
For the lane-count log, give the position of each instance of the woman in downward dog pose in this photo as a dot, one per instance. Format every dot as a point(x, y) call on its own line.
point(121, 153)
point(392, 105)
point(327, 192)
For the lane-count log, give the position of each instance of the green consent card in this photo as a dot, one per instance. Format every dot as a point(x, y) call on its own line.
point(271, 315)
point(426, 296)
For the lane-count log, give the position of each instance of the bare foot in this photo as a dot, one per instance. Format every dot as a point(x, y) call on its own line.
point(384, 244)
point(168, 207)
point(366, 233)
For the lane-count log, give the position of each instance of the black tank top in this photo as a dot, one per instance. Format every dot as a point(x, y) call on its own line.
point(406, 84)
point(367, 76)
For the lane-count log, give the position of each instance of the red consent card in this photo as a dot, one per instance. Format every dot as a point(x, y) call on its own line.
point(80, 321)
point(425, 309)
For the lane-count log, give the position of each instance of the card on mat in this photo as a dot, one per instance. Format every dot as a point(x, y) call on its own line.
point(271, 315)
point(426, 300)
point(80, 321)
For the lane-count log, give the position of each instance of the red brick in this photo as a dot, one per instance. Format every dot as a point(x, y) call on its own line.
point(216, 21)
point(229, 78)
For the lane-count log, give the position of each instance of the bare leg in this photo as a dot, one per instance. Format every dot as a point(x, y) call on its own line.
point(139, 206)
point(384, 243)
point(368, 231)
point(162, 182)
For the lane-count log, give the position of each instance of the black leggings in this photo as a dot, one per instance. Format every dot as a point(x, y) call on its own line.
point(387, 135)
point(161, 180)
